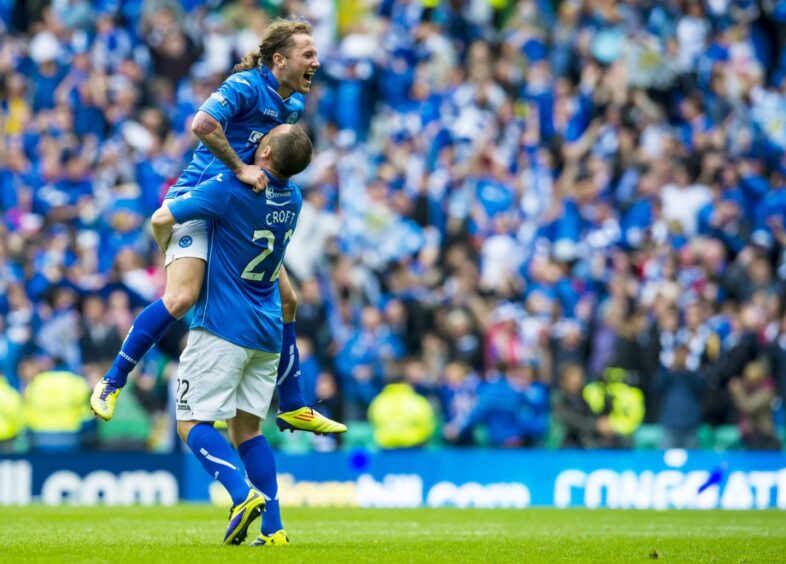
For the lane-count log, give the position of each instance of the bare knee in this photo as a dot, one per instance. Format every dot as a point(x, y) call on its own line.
point(179, 300)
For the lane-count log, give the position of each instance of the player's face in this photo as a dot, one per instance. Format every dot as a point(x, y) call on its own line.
point(301, 63)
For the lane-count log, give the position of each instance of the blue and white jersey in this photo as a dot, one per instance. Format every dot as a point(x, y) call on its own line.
point(248, 106)
point(249, 234)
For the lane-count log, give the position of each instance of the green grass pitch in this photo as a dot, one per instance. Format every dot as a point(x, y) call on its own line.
point(192, 534)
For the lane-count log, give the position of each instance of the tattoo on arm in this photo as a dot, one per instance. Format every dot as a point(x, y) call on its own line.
point(208, 130)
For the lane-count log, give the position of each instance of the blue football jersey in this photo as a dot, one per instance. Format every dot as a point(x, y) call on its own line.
point(248, 106)
point(249, 234)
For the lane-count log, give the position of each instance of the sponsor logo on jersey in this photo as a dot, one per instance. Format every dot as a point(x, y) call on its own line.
point(219, 98)
point(255, 137)
point(240, 80)
point(293, 117)
point(271, 113)
point(271, 194)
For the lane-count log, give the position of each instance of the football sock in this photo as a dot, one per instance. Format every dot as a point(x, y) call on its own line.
point(151, 325)
point(290, 397)
point(260, 466)
point(218, 459)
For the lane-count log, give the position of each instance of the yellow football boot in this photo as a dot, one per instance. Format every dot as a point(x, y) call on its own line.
point(104, 398)
point(279, 538)
point(242, 515)
point(308, 419)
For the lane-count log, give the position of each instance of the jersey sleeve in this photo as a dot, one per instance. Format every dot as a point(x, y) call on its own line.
point(234, 97)
point(207, 201)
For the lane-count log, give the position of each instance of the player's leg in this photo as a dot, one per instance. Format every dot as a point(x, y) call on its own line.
point(207, 380)
point(215, 455)
point(294, 414)
point(253, 401)
point(183, 284)
point(289, 395)
point(185, 271)
point(260, 466)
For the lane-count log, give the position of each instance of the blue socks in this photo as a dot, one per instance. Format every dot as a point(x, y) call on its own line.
point(219, 460)
point(149, 327)
point(260, 466)
point(290, 397)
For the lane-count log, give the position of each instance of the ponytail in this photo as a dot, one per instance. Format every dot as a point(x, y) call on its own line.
point(250, 61)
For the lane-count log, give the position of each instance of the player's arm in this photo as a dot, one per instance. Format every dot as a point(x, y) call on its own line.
point(208, 201)
point(210, 132)
point(234, 97)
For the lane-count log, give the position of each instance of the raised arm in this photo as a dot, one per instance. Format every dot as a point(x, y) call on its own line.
point(211, 134)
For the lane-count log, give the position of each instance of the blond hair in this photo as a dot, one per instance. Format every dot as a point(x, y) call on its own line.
point(277, 39)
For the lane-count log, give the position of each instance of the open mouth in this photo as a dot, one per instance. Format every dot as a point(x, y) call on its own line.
point(308, 76)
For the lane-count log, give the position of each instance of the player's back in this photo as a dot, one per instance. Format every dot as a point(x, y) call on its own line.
point(240, 300)
point(247, 107)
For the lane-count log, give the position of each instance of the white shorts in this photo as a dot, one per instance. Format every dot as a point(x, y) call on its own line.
point(189, 240)
point(216, 378)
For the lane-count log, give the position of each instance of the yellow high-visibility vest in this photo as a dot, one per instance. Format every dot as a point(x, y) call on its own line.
point(401, 417)
point(627, 404)
point(57, 401)
point(11, 413)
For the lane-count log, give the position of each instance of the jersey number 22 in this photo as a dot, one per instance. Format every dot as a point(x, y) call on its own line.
point(248, 272)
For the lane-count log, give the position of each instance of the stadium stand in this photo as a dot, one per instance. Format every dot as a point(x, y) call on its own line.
point(501, 191)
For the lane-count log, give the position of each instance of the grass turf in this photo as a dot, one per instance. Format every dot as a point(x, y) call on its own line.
point(193, 533)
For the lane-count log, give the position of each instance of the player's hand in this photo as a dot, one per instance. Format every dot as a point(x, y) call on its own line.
point(253, 176)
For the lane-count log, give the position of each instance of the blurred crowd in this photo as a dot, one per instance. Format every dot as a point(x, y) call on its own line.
point(526, 220)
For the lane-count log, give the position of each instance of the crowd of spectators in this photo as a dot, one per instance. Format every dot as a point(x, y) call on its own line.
point(534, 214)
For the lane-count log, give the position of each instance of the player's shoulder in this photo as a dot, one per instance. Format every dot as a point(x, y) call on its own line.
point(247, 79)
point(221, 185)
point(241, 193)
point(295, 105)
point(235, 186)
point(296, 190)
